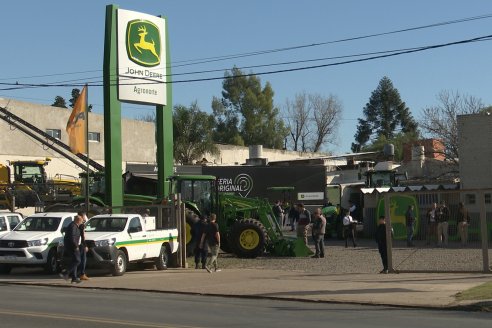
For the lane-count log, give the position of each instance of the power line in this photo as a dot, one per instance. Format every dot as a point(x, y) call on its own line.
point(262, 52)
point(385, 55)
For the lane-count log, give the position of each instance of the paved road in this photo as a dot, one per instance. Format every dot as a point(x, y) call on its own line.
point(405, 289)
point(34, 306)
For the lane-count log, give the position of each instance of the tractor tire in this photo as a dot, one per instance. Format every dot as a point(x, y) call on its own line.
point(120, 264)
point(162, 262)
point(248, 238)
point(225, 244)
point(191, 239)
point(51, 266)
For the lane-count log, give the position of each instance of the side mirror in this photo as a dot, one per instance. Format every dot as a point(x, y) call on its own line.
point(63, 229)
point(132, 229)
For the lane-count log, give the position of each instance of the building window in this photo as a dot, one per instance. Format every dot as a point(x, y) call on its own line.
point(470, 199)
point(94, 137)
point(55, 133)
point(488, 198)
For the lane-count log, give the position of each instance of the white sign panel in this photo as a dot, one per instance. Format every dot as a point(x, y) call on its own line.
point(141, 58)
point(310, 196)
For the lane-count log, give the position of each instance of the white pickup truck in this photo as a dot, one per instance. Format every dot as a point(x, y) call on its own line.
point(114, 240)
point(34, 241)
point(8, 221)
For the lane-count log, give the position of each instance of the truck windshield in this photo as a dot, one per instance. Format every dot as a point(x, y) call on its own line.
point(108, 224)
point(39, 224)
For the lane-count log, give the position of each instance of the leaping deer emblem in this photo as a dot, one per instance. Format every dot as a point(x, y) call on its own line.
point(145, 45)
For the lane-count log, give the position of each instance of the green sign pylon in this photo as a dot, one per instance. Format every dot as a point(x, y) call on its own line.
point(112, 119)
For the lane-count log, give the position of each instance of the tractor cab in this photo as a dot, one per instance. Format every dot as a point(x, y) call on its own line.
point(197, 192)
point(30, 172)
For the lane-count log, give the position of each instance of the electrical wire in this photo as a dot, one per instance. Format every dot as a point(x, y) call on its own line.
point(262, 52)
point(16, 85)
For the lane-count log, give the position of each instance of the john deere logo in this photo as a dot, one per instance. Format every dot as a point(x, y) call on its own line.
point(143, 43)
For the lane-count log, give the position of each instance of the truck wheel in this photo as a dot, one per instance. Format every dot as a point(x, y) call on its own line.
point(120, 264)
point(5, 268)
point(163, 260)
point(51, 266)
point(248, 238)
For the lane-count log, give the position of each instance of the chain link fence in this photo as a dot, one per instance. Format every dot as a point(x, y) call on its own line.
point(467, 248)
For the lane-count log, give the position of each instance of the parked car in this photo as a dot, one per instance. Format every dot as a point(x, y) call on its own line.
point(34, 241)
point(8, 221)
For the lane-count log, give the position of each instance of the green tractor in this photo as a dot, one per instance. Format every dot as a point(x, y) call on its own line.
point(247, 225)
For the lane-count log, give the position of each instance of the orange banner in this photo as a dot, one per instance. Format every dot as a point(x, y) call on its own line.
point(76, 125)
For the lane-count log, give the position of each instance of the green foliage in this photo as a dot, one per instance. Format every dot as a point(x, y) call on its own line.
point(384, 112)
point(192, 134)
point(75, 95)
point(245, 115)
point(398, 141)
point(59, 102)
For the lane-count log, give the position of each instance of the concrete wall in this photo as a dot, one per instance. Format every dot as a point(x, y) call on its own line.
point(475, 150)
point(138, 140)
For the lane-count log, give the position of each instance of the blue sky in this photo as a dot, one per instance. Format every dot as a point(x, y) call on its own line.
point(49, 41)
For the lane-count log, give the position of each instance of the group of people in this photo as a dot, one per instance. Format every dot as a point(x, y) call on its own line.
point(207, 247)
point(318, 225)
point(438, 226)
point(75, 250)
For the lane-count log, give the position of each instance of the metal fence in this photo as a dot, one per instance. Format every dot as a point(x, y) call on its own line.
point(427, 254)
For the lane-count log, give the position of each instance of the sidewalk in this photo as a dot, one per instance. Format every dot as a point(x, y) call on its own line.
point(428, 290)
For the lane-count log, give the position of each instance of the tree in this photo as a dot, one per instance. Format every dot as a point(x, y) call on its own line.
point(312, 121)
point(397, 141)
point(327, 112)
point(440, 121)
point(75, 95)
point(298, 113)
point(384, 112)
point(59, 102)
point(192, 134)
point(246, 114)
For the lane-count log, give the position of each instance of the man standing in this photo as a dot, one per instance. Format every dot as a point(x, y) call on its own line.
point(293, 216)
point(410, 224)
point(83, 248)
point(431, 223)
point(349, 227)
point(200, 252)
point(279, 212)
point(212, 236)
point(319, 227)
point(463, 221)
point(71, 242)
point(382, 246)
point(442, 217)
point(303, 223)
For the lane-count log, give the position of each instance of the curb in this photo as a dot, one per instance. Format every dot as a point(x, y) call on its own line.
point(485, 306)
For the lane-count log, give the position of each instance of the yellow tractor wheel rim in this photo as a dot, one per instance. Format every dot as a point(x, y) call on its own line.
point(249, 239)
point(188, 233)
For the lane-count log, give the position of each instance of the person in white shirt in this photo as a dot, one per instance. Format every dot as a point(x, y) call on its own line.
point(349, 228)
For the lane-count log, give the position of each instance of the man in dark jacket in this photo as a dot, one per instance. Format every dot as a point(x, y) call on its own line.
point(71, 242)
point(200, 253)
point(83, 248)
point(381, 240)
point(319, 228)
point(410, 224)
